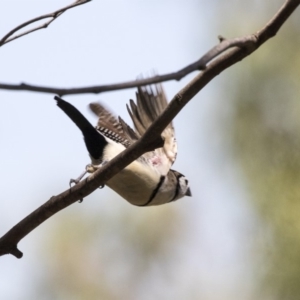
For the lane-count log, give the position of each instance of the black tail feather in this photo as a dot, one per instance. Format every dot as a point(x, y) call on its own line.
point(94, 141)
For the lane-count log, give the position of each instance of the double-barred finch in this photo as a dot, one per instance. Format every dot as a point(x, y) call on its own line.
point(149, 180)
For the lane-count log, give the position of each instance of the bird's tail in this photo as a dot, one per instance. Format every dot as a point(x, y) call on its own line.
point(94, 141)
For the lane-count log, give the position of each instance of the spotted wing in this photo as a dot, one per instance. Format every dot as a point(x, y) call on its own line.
point(111, 127)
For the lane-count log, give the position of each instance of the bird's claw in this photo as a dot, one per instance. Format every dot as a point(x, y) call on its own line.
point(75, 181)
point(88, 169)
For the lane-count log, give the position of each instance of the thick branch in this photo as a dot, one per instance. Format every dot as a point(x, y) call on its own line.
point(52, 16)
point(247, 45)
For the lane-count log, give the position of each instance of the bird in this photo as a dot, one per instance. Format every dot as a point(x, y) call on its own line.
point(149, 180)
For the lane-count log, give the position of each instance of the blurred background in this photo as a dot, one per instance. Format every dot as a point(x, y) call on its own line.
point(238, 237)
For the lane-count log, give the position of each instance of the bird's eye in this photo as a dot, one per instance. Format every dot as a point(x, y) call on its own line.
point(186, 181)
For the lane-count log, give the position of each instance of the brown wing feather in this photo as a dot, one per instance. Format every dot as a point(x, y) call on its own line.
point(150, 103)
point(135, 116)
point(128, 131)
point(106, 118)
point(110, 126)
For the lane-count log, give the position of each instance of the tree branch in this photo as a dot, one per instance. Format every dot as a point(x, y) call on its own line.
point(198, 65)
point(150, 140)
point(53, 16)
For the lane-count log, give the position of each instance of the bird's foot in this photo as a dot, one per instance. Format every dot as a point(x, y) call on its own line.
point(93, 168)
point(88, 169)
point(78, 179)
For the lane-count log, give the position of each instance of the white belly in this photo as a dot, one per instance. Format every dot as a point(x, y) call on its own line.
point(135, 183)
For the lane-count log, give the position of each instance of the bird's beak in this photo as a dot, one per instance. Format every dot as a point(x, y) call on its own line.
point(188, 192)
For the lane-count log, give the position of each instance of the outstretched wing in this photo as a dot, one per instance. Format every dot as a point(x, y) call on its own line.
point(150, 103)
point(111, 127)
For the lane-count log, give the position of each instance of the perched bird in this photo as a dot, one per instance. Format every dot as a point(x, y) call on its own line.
point(149, 180)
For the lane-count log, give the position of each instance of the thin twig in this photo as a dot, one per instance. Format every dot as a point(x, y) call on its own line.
point(150, 140)
point(53, 16)
point(198, 65)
